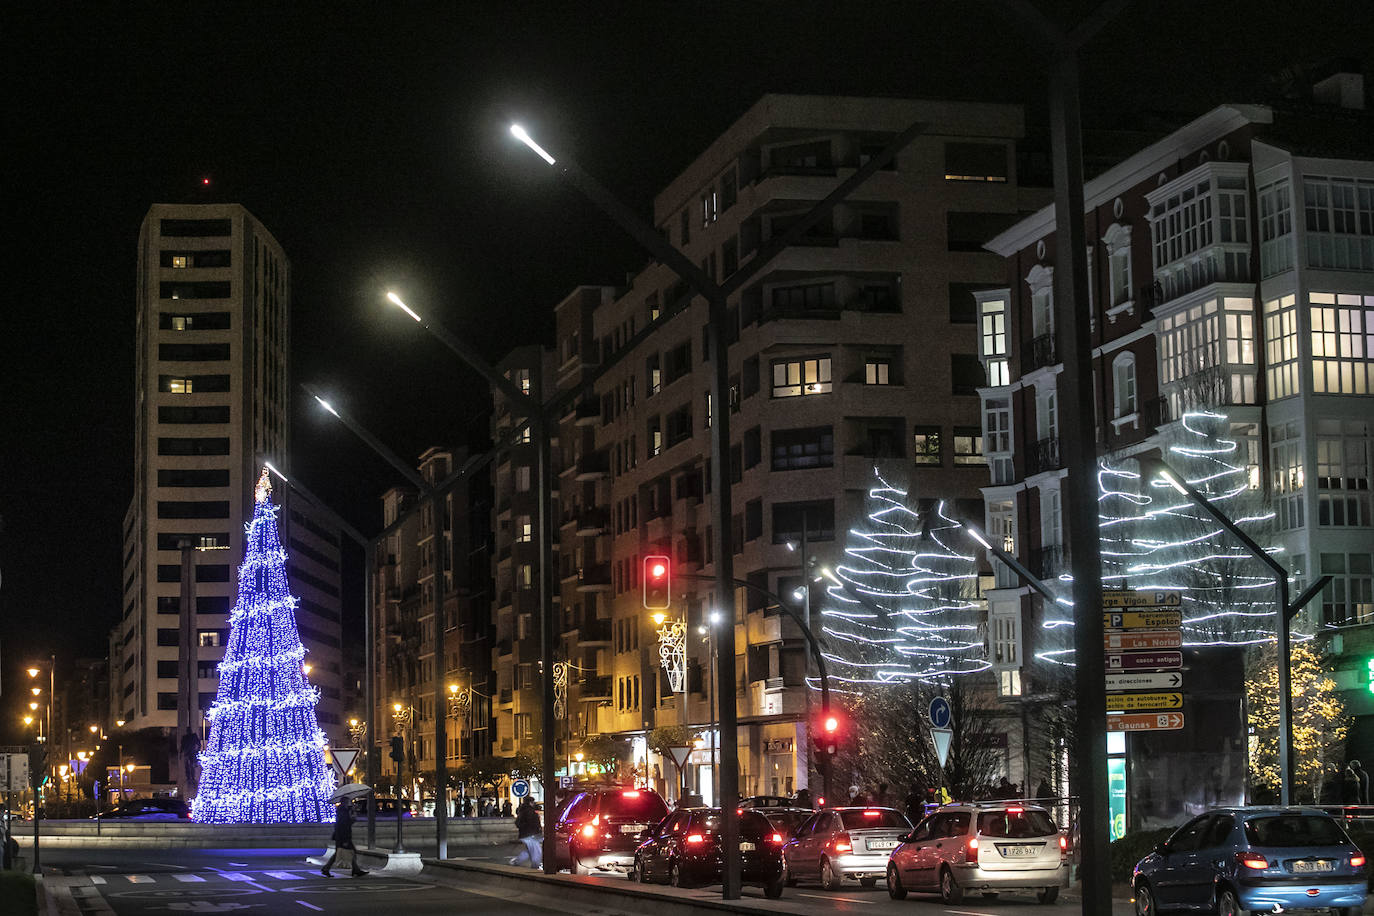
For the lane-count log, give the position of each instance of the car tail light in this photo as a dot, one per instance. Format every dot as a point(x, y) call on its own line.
point(1252, 860)
point(589, 830)
point(973, 847)
point(842, 843)
point(1063, 844)
point(777, 838)
point(872, 813)
point(1016, 810)
point(630, 793)
point(695, 838)
point(1356, 861)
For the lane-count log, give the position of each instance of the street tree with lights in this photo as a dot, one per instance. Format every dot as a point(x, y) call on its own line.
point(1320, 724)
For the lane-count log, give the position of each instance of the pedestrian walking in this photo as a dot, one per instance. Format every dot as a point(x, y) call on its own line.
point(1363, 777)
point(915, 803)
point(531, 833)
point(505, 808)
point(343, 839)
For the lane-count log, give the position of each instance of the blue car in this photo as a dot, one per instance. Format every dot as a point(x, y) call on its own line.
point(1235, 861)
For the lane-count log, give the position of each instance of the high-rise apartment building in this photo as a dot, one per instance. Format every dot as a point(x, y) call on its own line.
point(1231, 268)
point(211, 381)
point(853, 349)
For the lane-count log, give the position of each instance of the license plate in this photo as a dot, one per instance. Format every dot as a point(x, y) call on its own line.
point(1013, 852)
point(630, 828)
point(747, 847)
point(882, 844)
point(1311, 865)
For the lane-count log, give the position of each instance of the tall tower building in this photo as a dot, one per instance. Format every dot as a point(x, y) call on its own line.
point(213, 301)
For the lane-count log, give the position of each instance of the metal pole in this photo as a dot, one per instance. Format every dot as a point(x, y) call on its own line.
point(438, 503)
point(370, 690)
point(1079, 450)
point(544, 471)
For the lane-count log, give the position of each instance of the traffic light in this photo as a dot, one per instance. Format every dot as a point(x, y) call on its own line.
point(38, 765)
point(398, 748)
point(658, 582)
point(830, 732)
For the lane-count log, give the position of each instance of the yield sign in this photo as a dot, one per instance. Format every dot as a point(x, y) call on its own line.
point(680, 753)
point(941, 738)
point(341, 758)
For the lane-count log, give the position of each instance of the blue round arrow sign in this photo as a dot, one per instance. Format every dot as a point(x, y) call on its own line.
point(940, 714)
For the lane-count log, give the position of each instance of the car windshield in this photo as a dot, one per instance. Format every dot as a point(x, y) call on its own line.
point(858, 819)
point(636, 804)
point(751, 824)
point(787, 821)
point(1016, 824)
point(1294, 830)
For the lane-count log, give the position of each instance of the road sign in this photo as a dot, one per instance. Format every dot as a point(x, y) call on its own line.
point(941, 738)
point(342, 758)
point(1142, 620)
point(1142, 639)
point(1144, 722)
point(14, 771)
point(1144, 661)
point(565, 782)
point(1130, 701)
point(1163, 679)
point(520, 788)
point(680, 753)
point(941, 716)
point(1142, 599)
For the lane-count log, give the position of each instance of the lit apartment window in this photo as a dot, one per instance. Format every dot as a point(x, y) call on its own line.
point(653, 376)
point(180, 385)
point(799, 377)
point(524, 577)
point(1276, 228)
point(522, 479)
point(1350, 596)
point(878, 372)
point(997, 424)
point(1009, 682)
point(1281, 346)
point(968, 445)
point(207, 638)
point(709, 202)
point(992, 345)
point(1343, 460)
point(523, 530)
point(655, 436)
point(928, 446)
point(1286, 470)
point(1340, 222)
point(1342, 343)
point(180, 260)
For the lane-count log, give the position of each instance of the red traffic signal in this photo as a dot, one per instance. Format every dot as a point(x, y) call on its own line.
point(658, 577)
point(830, 725)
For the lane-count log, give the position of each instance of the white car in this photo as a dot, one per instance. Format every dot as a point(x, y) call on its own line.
point(986, 847)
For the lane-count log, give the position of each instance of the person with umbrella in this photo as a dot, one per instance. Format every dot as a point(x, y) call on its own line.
point(343, 830)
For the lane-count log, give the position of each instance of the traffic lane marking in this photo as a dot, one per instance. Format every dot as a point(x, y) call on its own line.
point(318, 909)
point(96, 879)
point(833, 897)
point(188, 878)
point(140, 879)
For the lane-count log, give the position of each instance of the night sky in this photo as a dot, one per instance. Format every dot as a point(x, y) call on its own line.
point(374, 146)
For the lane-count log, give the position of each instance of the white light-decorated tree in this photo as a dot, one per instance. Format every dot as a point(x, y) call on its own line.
point(264, 761)
point(907, 610)
point(1155, 538)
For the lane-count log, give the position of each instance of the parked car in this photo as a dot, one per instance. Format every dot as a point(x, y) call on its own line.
point(148, 809)
point(1235, 860)
point(986, 846)
point(844, 844)
point(786, 820)
point(685, 851)
point(765, 801)
point(386, 807)
point(601, 827)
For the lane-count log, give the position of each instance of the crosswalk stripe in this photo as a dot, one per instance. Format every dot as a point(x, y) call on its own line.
point(139, 879)
point(188, 878)
point(282, 875)
point(96, 879)
point(235, 876)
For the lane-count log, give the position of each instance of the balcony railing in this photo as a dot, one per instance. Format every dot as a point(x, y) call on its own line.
point(1156, 412)
point(595, 688)
point(592, 520)
point(1043, 456)
point(1048, 562)
point(594, 631)
point(1038, 352)
point(593, 466)
point(594, 577)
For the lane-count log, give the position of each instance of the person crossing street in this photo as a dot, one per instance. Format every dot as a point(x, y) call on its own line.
point(343, 839)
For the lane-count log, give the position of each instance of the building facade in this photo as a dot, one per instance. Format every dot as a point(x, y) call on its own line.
point(1231, 267)
point(212, 336)
point(853, 350)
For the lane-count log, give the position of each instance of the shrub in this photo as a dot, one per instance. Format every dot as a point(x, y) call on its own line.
point(1133, 847)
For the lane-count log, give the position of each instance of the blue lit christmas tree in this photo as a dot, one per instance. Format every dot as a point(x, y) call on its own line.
point(264, 762)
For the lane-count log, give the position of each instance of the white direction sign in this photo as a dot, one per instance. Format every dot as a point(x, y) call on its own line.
point(1164, 679)
point(14, 772)
point(342, 758)
point(941, 738)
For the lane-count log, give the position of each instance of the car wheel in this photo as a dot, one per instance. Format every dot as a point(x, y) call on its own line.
point(1048, 895)
point(1145, 901)
point(950, 891)
point(773, 889)
point(894, 884)
point(829, 880)
point(573, 868)
point(1228, 904)
point(636, 872)
point(674, 875)
point(868, 882)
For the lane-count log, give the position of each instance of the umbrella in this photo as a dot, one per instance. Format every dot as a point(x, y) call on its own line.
point(350, 790)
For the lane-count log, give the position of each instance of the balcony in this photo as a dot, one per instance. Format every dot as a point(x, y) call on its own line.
point(587, 413)
point(593, 521)
point(595, 688)
point(1049, 562)
point(506, 697)
point(595, 466)
point(1043, 456)
point(1156, 412)
point(594, 632)
point(1037, 353)
point(595, 577)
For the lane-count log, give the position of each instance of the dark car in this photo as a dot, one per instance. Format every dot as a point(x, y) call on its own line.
point(765, 801)
point(685, 851)
point(787, 820)
point(148, 809)
point(601, 827)
point(386, 807)
point(1237, 860)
